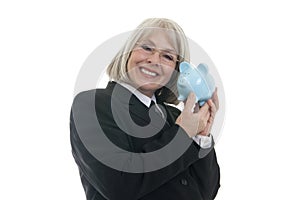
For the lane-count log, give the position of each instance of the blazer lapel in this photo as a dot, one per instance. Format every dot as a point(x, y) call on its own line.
point(138, 111)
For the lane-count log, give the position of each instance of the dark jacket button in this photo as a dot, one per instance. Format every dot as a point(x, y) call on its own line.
point(184, 181)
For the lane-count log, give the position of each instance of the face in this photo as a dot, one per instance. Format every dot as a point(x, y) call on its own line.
point(151, 63)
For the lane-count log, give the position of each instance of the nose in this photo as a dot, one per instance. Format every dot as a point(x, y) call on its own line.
point(154, 58)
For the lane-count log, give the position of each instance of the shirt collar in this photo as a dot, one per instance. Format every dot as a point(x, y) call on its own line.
point(143, 98)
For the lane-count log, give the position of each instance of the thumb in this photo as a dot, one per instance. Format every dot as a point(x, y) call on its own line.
point(190, 102)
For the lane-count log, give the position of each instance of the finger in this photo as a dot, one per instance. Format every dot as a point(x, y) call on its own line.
point(207, 116)
point(211, 119)
point(212, 106)
point(209, 126)
point(204, 109)
point(203, 120)
point(216, 90)
point(210, 102)
point(197, 107)
point(190, 102)
point(215, 94)
point(215, 98)
point(206, 131)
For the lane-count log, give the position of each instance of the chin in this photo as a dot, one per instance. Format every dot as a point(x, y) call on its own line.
point(150, 86)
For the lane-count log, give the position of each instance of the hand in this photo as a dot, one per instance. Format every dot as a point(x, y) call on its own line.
point(193, 122)
point(215, 99)
point(213, 108)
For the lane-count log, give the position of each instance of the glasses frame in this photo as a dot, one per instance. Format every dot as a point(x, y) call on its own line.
point(160, 51)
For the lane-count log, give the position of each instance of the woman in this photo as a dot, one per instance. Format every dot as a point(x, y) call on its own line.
point(128, 142)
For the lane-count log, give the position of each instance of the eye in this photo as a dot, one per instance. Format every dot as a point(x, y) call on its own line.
point(168, 57)
point(147, 48)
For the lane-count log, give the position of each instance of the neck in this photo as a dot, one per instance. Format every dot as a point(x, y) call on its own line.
point(147, 93)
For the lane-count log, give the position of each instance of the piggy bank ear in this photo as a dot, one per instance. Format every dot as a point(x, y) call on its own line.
point(184, 66)
point(203, 68)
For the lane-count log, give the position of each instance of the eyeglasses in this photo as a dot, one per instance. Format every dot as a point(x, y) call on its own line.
point(166, 57)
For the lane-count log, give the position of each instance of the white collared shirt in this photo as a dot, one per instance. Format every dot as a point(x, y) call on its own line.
point(203, 141)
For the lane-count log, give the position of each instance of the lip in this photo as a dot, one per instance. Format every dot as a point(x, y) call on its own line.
point(150, 70)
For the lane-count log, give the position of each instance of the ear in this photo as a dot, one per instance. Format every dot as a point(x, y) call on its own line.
point(203, 68)
point(184, 66)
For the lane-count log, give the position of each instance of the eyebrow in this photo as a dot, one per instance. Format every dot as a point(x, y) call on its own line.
point(168, 50)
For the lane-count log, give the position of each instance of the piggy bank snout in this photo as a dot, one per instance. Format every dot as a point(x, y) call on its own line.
point(182, 81)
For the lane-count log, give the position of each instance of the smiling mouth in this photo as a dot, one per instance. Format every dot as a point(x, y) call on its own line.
point(145, 71)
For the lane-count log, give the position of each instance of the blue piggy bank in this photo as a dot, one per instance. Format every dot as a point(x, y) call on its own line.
point(197, 80)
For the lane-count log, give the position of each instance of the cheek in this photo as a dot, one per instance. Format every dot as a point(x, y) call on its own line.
point(168, 73)
point(133, 59)
point(169, 70)
point(129, 63)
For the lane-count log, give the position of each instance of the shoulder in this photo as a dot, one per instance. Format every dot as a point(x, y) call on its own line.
point(91, 94)
point(97, 92)
point(91, 99)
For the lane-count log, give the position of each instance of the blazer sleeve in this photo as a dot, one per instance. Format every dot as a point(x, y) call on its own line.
point(207, 171)
point(115, 184)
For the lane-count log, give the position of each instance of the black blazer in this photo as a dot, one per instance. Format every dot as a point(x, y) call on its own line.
point(188, 177)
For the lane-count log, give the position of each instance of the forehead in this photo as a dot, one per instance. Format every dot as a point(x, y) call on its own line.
point(162, 38)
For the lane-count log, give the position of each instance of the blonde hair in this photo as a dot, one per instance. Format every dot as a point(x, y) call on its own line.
point(117, 69)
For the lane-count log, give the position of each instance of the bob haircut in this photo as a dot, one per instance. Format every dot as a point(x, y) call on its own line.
point(117, 69)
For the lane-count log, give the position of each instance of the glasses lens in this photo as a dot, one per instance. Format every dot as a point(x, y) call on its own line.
point(147, 48)
point(165, 56)
point(168, 57)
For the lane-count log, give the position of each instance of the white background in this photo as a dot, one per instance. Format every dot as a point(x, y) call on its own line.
point(254, 45)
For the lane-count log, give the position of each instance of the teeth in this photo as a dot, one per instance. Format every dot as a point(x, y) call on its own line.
point(148, 73)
